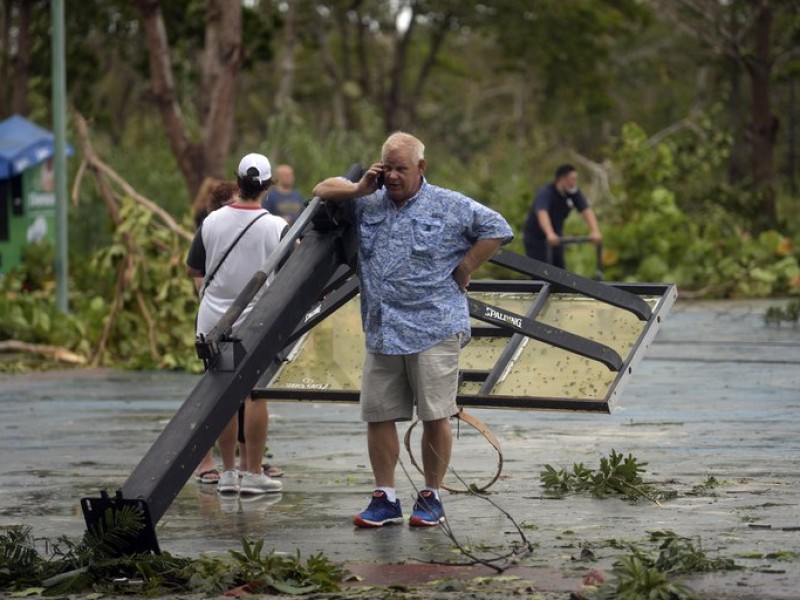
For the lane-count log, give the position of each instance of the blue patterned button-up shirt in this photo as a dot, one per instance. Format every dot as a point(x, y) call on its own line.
point(409, 298)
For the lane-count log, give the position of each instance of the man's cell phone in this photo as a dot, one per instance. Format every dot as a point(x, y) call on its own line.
point(379, 180)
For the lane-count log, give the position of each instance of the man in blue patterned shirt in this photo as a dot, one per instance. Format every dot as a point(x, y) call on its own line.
point(418, 245)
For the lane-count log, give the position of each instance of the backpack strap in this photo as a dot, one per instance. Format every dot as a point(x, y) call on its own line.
point(210, 277)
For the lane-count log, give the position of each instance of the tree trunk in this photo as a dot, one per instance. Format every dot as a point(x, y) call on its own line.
point(224, 59)
point(764, 123)
point(215, 96)
point(343, 26)
point(211, 68)
point(737, 165)
point(394, 115)
point(21, 62)
point(190, 160)
point(5, 31)
point(437, 38)
point(363, 56)
point(335, 79)
point(791, 171)
point(286, 62)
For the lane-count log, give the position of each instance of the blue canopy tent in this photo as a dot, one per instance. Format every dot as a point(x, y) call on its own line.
point(27, 192)
point(23, 144)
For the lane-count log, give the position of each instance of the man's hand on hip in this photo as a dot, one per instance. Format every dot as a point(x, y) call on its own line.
point(462, 276)
point(481, 251)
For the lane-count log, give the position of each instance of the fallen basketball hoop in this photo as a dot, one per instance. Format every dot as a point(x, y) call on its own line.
point(535, 345)
point(551, 341)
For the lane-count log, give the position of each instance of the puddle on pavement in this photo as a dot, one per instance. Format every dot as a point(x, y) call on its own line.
point(688, 414)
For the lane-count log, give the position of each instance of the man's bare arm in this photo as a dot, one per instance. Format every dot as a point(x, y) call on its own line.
point(547, 226)
point(594, 229)
point(481, 251)
point(337, 189)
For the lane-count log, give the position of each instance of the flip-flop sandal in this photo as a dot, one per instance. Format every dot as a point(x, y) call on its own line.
point(211, 476)
point(271, 471)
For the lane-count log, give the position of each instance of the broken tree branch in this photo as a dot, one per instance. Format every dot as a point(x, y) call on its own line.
point(58, 353)
point(685, 123)
point(76, 186)
point(94, 163)
point(599, 172)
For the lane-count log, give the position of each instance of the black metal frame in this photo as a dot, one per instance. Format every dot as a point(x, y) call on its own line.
point(627, 296)
point(545, 333)
point(514, 344)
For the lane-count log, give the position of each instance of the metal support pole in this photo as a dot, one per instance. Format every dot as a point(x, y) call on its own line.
point(60, 157)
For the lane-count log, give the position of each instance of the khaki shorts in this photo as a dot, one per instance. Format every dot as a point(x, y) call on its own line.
point(392, 384)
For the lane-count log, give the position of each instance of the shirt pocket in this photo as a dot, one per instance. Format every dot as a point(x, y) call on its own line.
point(426, 236)
point(368, 228)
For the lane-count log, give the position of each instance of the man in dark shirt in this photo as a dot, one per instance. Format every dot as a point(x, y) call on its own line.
point(282, 198)
point(551, 206)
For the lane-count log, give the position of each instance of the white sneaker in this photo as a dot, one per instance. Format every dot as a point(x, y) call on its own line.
point(229, 482)
point(259, 484)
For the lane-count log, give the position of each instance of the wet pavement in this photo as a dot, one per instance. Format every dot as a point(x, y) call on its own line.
point(717, 395)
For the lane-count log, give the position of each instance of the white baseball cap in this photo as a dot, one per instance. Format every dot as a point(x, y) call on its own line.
point(258, 162)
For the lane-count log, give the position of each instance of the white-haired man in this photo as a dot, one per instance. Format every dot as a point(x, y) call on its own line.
point(418, 245)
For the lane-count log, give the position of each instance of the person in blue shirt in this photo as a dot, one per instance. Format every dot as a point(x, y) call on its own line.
point(551, 206)
point(418, 245)
point(283, 199)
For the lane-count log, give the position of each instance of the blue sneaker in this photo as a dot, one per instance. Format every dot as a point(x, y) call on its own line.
point(380, 512)
point(428, 510)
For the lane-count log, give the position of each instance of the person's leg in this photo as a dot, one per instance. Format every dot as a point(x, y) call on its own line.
point(242, 447)
point(536, 248)
point(434, 379)
point(558, 256)
point(385, 399)
point(206, 471)
point(384, 449)
point(227, 443)
point(269, 470)
point(229, 480)
point(383, 444)
point(254, 481)
point(437, 446)
point(256, 421)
